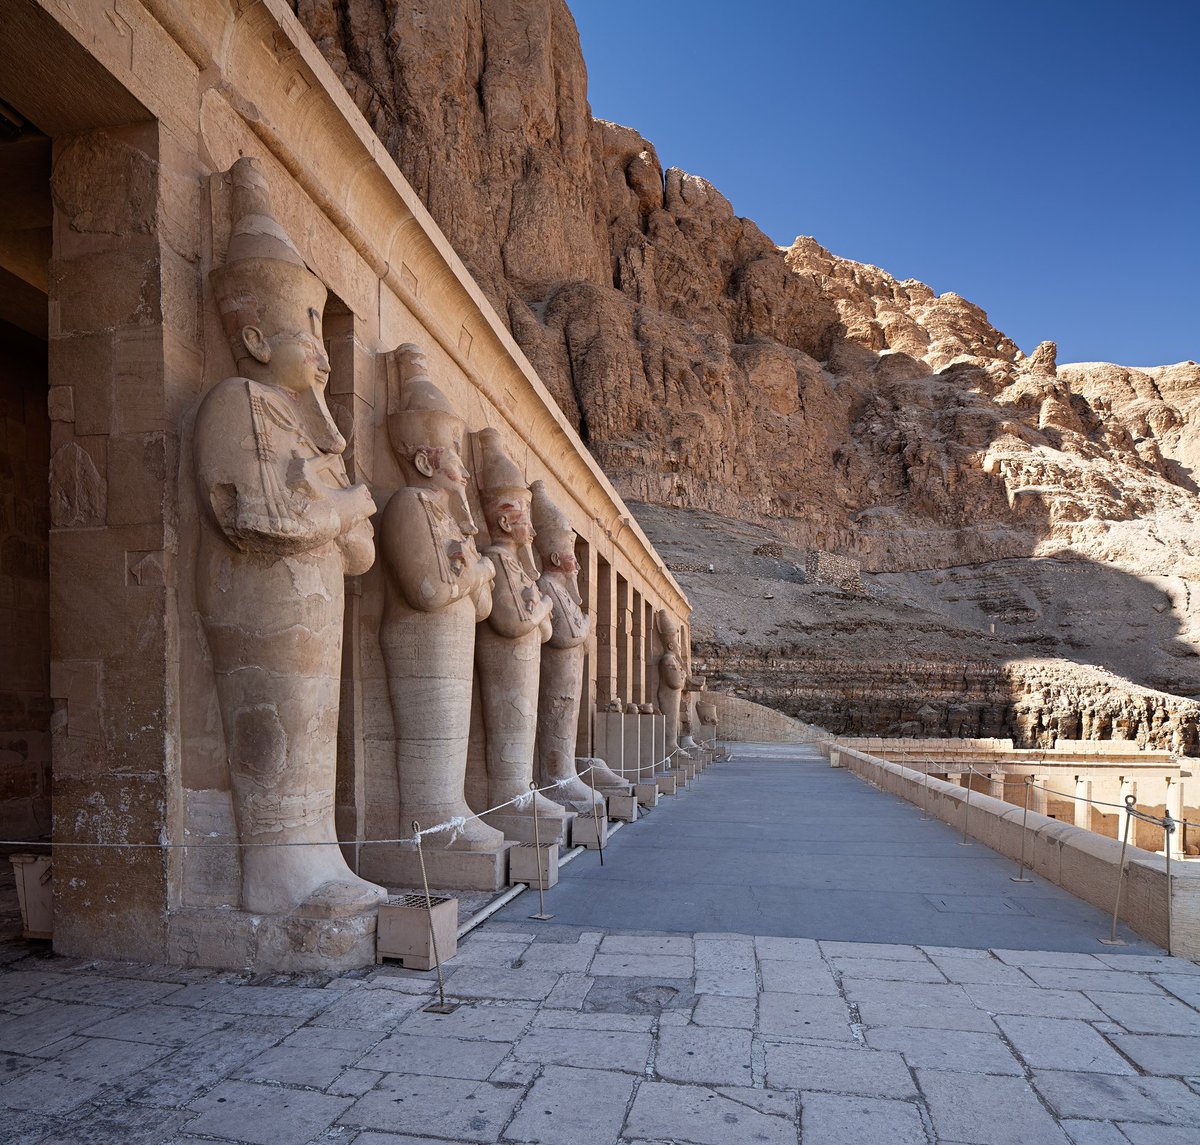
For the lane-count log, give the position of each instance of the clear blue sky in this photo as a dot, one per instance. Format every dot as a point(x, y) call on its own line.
point(1039, 157)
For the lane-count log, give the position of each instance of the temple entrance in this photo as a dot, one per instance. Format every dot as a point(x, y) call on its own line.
point(25, 217)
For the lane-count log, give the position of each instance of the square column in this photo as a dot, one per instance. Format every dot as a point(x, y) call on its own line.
point(610, 740)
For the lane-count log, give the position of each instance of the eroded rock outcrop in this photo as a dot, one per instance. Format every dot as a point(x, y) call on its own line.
point(707, 368)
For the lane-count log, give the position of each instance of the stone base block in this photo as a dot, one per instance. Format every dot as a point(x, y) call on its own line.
point(397, 865)
point(518, 827)
point(404, 930)
point(535, 866)
point(646, 793)
point(584, 832)
point(623, 807)
point(227, 939)
point(667, 784)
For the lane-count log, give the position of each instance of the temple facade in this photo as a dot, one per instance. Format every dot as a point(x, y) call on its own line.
point(217, 296)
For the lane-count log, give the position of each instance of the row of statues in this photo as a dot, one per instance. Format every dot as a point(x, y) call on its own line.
point(282, 525)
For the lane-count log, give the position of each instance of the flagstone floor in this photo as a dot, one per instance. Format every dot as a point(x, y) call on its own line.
point(808, 1027)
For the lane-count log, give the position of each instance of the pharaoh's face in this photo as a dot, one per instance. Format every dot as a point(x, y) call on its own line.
point(449, 474)
point(514, 521)
point(298, 361)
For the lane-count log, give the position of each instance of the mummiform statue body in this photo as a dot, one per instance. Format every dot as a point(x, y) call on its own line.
point(437, 588)
point(281, 527)
point(508, 644)
point(671, 679)
point(561, 683)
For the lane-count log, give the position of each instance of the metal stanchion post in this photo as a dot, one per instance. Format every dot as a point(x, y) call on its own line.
point(541, 915)
point(1112, 939)
point(441, 1006)
point(1169, 827)
point(596, 821)
point(1019, 877)
point(925, 794)
point(964, 841)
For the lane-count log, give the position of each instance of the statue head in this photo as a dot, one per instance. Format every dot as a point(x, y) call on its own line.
point(506, 498)
point(271, 305)
point(426, 433)
point(668, 631)
point(555, 540)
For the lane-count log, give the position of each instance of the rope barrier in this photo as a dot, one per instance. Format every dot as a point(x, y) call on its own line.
point(454, 824)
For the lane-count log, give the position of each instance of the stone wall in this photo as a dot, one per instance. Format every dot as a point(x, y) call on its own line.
point(742, 721)
point(24, 588)
point(1073, 858)
point(830, 568)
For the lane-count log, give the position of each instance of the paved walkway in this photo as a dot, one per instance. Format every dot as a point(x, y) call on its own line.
point(777, 842)
point(599, 1033)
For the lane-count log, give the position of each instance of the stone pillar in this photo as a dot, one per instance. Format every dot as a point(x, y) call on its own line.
point(589, 697)
point(638, 640)
point(632, 747)
point(610, 740)
point(1175, 805)
point(1083, 809)
point(1128, 787)
point(606, 633)
point(124, 358)
point(624, 641)
point(646, 737)
point(1039, 798)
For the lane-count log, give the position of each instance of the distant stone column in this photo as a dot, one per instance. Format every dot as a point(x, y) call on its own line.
point(1175, 805)
point(1083, 809)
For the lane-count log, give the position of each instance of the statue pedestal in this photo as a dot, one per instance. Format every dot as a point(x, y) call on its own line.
point(404, 930)
point(667, 784)
point(623, 807)
point(518, 826)
point(584, 832)
point(226, 939)
point(397, 865)
point(537, 867)
point(646, 793)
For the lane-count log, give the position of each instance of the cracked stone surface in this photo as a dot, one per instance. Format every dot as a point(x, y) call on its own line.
point(615, 1035)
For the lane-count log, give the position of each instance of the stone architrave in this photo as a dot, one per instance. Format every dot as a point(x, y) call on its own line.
point(437, 588)
point(671, 678)
point(281, 527)
point(508, 643)
point(561, 681)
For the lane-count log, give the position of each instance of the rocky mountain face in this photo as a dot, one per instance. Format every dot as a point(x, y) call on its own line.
point(1023, 508)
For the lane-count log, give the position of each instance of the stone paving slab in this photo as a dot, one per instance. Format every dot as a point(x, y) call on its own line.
point(574, 1033)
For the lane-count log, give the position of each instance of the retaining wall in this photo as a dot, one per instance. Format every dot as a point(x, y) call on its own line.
point(1079, 861)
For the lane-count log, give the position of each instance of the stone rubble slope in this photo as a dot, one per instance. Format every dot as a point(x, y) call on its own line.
point(709, 369)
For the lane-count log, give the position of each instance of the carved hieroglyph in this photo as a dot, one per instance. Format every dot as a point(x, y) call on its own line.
point(671, 677)
point(281, 526)
point(437, 588)
point(508, 644)
point(561, 682)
